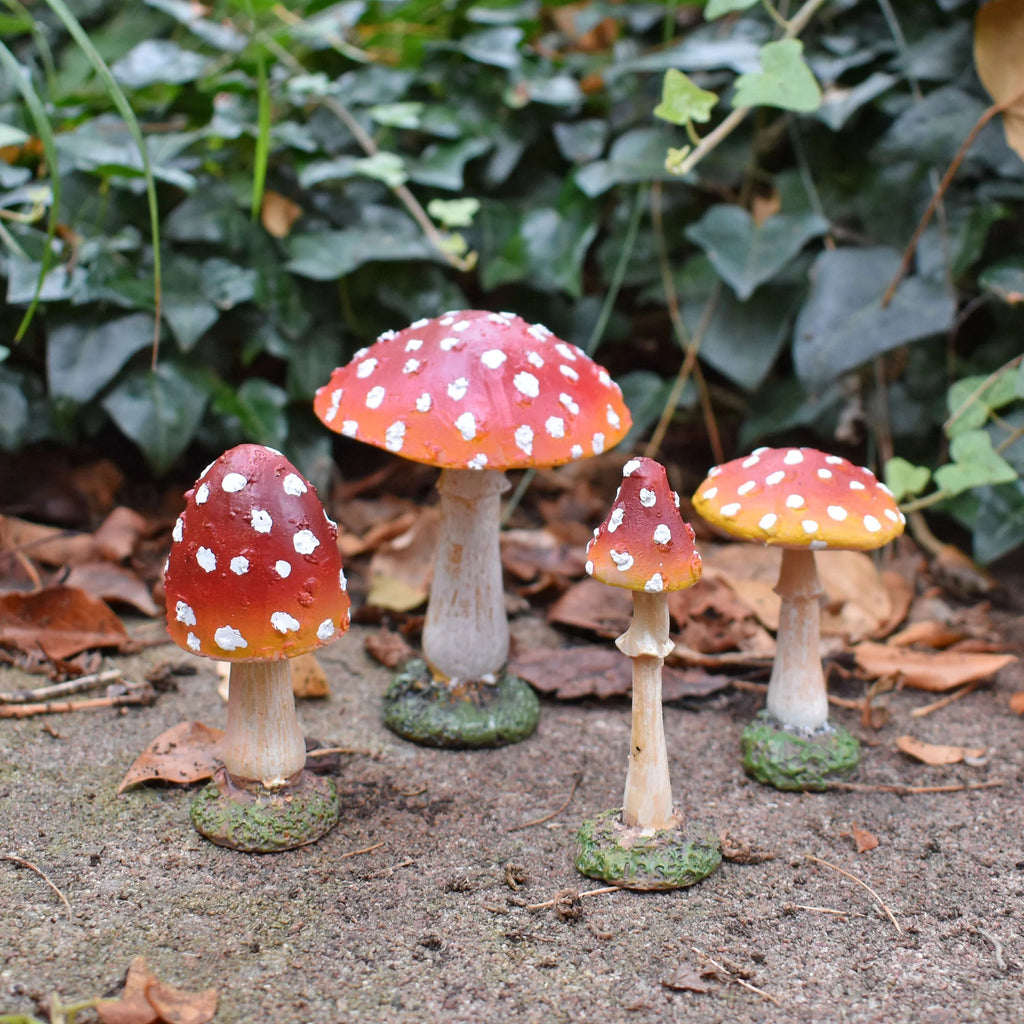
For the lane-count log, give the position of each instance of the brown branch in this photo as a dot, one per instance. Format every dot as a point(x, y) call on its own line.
point(42, 874)
point(903, 790)
point(854, 878)
point(577, 779)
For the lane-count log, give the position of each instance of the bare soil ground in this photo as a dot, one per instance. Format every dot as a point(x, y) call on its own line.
point(422, 904)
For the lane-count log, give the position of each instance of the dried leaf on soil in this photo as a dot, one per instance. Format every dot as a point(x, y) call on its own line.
point(118, 534)
point(188, 752)
point(926, 633)
point(865, 840)
point(935, 753)
point(59, 620)
point(935, 671)
point(573, 672)
point(1017, 703)
point(401, 568)
point(592, 606)
point(309, 680)
point(49, 545)
point(998, 45)
point(147, 1000)
point(110, 582)
point(388, 648)
point(686, 979)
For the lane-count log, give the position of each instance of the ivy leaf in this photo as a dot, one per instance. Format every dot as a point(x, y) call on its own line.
point(999, 521)
point(388, 168)
point(971, 400)
point(747, 254)
point(784, 81)
point(1005, 279)
point(160, 410)
point(453, 213)
point(259, 407)
point(905, 479)
point(975, 464)
point(718, 8)
point(398, 115)
point(14, 412)
point(158, 61)
point(682, 100)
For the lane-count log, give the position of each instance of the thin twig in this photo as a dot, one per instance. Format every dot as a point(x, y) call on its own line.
point(577, 779)
point(902, 790)
point(580, 895)
point(735, 978)
point(365, 849)
point(324, 751)
point(947, 700)
point(997, 947)
point(142, 694)
point(823, 910)
point(78, 685)
point(853, 878)
point(21, 862)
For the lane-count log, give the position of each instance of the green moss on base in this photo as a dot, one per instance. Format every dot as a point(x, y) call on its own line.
point(263, 820)
point(485, 715)
point(787, 759)
point(672, 858)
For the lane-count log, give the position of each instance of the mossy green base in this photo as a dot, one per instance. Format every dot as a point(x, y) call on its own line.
point(672, 858)
point(262, 820)
point(788, 759)
point(482, 715)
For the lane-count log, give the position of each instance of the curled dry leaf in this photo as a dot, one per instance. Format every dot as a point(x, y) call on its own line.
point(111, 582)
point(118, 534)
point(935, 671)
point(309, 680)
point(187, 752)
point(388, 648)
point(936, 753)
point(998, 45)
point(1017, 703)
point(147, 1000)
point(865, 840)
point(278, 213)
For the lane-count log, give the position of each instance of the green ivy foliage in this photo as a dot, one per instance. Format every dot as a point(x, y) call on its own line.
point(323, 171)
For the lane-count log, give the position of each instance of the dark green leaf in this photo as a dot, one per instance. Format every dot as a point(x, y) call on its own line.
point(842, 323)
point(645, 394)
point(579, 141)
point(82, 360)
point(748, 254)
point(442, 165)
point(160, 410)
point(1005, 279)
point(497, 46)
point(14, 412)
point(718, 8)
point(999, 521)
point(211, 216)
point(840, 103)
point(636, 156)
point(59, 283)
point(259, 407)
point(226, 284)
point(784, 81)
point(158, 61)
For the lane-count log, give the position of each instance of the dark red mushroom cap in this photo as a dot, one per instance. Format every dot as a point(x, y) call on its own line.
point(800, 498)
point(476, 390)
point(254, 572)
point(644, 544)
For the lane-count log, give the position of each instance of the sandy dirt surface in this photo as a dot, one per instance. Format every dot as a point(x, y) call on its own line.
point(437, 919)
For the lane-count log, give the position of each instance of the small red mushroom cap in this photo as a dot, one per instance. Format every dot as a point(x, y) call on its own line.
point(800, 498)
point(476, 390)
point(644, 544)
point(254, 572)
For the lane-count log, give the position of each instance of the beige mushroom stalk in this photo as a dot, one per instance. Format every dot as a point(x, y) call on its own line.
point(801, 500)
point(254, 577)
point(474, 393)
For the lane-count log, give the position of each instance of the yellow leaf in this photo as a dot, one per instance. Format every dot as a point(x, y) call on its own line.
point(998, 46)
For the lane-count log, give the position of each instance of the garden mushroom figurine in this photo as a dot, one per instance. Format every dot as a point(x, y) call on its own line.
point(645, 546)
point(254, 577)
point(803, 501)
point(474, 393)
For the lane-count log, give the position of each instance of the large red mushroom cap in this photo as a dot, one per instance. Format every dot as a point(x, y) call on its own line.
point(476, 390)
point(254, 572)
point(800, 498)
point(644, 544)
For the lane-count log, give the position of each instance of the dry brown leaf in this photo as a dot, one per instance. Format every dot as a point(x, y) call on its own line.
point(591, 605)
point(935, 753)
point(47, 544)
point(998, 49)
point(309, 680)
point(1017, 703)
point(133, 1007)
point(175, 1006)
point(926, 633)
point(278, 213)
point(110, 582)
point(118, 534)
point(934, 671)
point(59, 620)
point(865, 840)
point(401, 567)
point(147, 1000)
point(528, 553)
point(686, 979)
point(387, 648)
point(185, 753)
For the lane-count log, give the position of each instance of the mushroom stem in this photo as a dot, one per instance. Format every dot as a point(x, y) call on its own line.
point(796, 689)
point(263, 742)
point(465, 636)
point(647, 801)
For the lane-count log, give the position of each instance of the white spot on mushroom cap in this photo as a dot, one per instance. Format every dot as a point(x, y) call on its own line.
point(793, 457)
point(458, 388)
point(305, 542)
point(294, 485)
point(576, 451)
point(207, 559)
point(662, 534)
point(424, 402)
point(538, 331)
point(374, 397)
point(615, 519)
point(589, 566)
point(261, 521)
point(565, 352)
point(411, 366)
point(856, 485)
point(623, 560)
point(284, 623)
point(824, 474)
point(365, 368)
point(775, 478)
point(524, 438)
point(890, 514)
point(818, 545)
point(193, 642)
point(597, 443)
point(768, 520)
point(394, 436)
point(350, 428)
point(795, 501)
point(746, 487)
point(810, 526)
point(731, 509)
point(647, 497)
point(179, 530)
point(466, 426)
point(239, 565)
point(526, 384)
point(834, 460)
point(227, 638)
point(342, 580)
point(555, 426)
point(460, 326)
point(184, 614)
point(447, 344)
point(750, 460)
point(493, 358)
point(202, 494)
point(613, 418)
point(709, 494)
point(479, 461)
point(283, 568)
point(871, 524)
point(326, 630)
point(570, 405)
point(415, 344)
point(568, 371)
point(630, 467)
point(655, 584)
point(233, 483)
point(837, 512)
